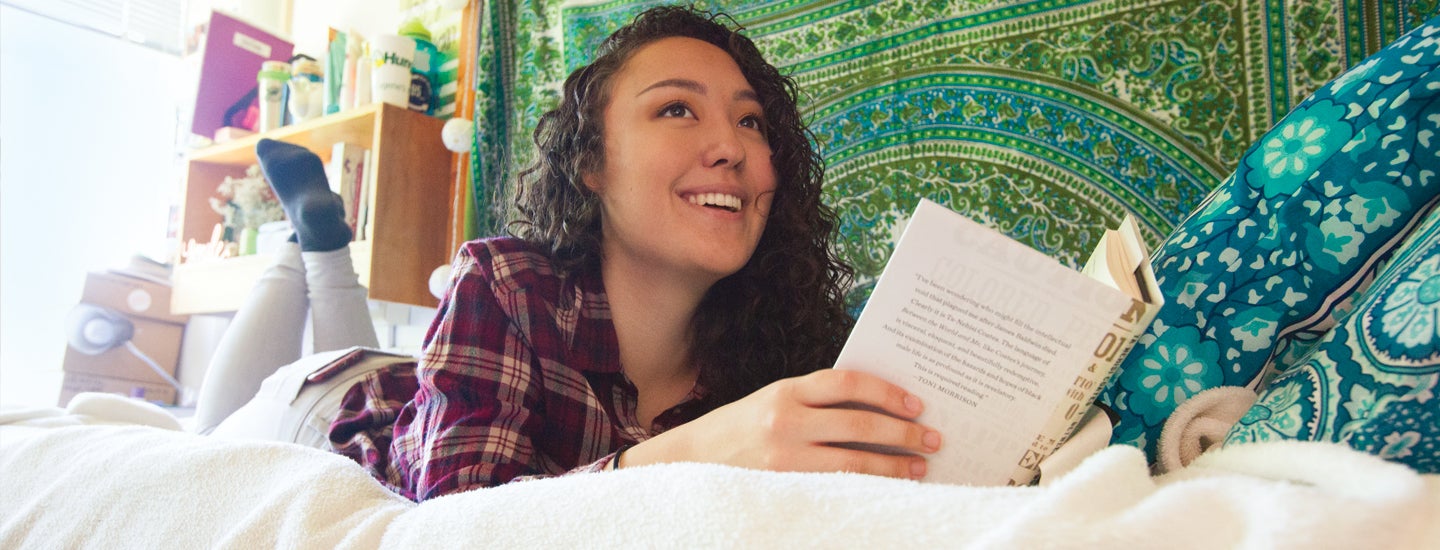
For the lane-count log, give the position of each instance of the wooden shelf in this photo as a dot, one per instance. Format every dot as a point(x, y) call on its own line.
point(410, 207)
point(354, 126)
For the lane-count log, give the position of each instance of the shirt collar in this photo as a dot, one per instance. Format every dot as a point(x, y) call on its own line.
point(594, 346)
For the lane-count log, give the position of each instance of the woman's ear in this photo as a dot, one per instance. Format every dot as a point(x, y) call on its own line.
point(591, 181)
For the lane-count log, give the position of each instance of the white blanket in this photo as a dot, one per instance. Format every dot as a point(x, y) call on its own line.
point(73, 480)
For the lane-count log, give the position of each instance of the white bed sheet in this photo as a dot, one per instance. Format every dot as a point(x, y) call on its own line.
point(81, 480)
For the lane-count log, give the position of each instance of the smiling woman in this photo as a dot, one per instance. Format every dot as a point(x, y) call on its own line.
point(669, 293)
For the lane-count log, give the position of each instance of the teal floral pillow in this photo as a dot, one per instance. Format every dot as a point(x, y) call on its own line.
point(1281, 250)
point(1371, 381)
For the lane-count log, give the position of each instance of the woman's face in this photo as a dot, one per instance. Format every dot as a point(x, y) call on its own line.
point(686, 184)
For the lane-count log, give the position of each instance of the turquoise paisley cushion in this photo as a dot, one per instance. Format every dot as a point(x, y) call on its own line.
point(1258, 277)
point(1370, 383)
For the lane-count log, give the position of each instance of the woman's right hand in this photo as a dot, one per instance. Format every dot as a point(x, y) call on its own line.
point(810, 423)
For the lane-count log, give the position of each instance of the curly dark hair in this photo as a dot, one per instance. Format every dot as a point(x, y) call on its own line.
point(783, 314)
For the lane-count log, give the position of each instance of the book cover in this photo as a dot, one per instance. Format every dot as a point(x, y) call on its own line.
point(365, 200)
point(1006, 346)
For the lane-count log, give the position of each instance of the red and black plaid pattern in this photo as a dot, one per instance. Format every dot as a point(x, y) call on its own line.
point(520, 378)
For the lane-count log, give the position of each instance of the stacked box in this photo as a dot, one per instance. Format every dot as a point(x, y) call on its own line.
point(158, 333)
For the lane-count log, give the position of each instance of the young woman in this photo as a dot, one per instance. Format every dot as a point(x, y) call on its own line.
point(670, 294)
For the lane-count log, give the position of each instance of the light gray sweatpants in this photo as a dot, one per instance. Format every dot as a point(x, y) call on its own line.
point(268, 329)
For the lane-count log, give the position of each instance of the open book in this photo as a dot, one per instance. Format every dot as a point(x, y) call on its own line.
point(1006, 346)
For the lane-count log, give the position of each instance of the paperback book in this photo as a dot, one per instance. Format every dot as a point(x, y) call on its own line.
point(1006, 346)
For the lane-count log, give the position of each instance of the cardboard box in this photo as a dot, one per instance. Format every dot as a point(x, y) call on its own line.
point(132, 296)
point(144, 301)
point(76, 383)
point(158, 340)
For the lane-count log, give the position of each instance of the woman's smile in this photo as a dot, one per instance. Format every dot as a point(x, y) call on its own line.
point(722, 201)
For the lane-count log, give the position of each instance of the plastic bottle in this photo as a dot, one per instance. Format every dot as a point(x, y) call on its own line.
point(335, 74)
point(350, 87)
point(306, 92)
point(425, 71)
point(364, 67)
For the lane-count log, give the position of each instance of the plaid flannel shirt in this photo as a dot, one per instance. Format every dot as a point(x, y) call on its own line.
point(520, 378)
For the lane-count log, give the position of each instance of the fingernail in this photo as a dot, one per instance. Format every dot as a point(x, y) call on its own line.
point(917, 469)
point(931, 440)
point(912, 404)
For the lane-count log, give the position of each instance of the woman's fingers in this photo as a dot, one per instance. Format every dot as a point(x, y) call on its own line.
point(842, 459)
point(849, 408)
point(849, 426)
point(831, 387)
point(828, 420)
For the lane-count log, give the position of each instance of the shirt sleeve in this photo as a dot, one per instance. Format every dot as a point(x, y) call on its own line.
point(601, 465)
point(473, 418)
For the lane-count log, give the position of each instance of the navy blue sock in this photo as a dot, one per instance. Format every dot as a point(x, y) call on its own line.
point(298, 178)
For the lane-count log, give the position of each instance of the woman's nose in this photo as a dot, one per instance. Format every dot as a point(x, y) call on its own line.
point(723, 147)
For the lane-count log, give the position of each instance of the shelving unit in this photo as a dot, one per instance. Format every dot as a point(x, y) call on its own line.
point(410, 209)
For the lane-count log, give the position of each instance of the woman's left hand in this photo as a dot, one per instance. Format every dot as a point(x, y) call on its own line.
point(819, 422)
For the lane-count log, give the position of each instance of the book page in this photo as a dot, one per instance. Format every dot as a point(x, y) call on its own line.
point(1118, 259)
point(989, 333)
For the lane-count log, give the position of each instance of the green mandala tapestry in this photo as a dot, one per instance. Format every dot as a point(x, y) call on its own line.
point(1047, 120)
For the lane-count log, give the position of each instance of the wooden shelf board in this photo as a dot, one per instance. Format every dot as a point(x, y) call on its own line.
point(354, 126)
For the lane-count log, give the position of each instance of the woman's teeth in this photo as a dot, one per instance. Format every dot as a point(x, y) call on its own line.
point(717, 200)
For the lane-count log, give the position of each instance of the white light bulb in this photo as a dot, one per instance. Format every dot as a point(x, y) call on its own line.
point(439, 281)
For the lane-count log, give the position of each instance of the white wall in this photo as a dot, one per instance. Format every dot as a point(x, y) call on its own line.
point(305, 22)
point(272, 16)
point(311, 18)
point(87, 173)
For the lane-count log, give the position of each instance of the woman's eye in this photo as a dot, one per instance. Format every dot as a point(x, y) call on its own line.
point(751, 121)
point(676, 110)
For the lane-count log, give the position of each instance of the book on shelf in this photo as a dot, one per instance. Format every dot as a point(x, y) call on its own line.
point(1006, 346)
point(365, 230)
point(346, 174)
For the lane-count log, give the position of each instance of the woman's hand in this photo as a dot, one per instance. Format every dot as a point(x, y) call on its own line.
point(800, 424)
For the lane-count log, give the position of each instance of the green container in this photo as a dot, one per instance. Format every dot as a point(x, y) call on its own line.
point(425, 71)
